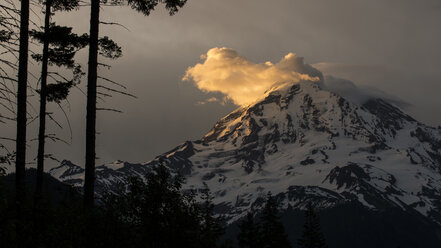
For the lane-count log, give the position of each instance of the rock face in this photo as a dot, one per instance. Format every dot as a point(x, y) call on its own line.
point(303, 143)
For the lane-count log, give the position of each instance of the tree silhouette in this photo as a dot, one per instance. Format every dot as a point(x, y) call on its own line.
point(20, 158)
point(160, 215)
point(312, 236)
point(211, 229)
point(249, 233)
point(143, 6)
point(272, 231)
point(64, 46)
point(60, 45)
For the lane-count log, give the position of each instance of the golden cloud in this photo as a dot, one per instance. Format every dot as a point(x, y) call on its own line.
point(224, 70)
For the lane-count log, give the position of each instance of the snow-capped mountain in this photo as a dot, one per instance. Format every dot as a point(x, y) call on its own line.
point(303, 143)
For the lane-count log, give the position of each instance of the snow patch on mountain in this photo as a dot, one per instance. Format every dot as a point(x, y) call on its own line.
point(304, 143)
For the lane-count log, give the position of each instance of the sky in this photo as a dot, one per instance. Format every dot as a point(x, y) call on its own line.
point(390, 45)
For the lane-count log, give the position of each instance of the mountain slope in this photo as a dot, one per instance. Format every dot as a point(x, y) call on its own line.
point(303, 143)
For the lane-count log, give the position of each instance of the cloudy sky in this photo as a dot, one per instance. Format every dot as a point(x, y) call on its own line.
point(390, 45)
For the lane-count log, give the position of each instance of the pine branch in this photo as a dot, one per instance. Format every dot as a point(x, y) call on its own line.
point(109, 109)
point(116, 91)
point(113, 82)
point(115, 23)
point(68, 121)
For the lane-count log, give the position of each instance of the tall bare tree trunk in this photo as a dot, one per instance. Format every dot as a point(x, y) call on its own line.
point(91, 105)
point(43, 94)
point(21, 103)
point(20, 160)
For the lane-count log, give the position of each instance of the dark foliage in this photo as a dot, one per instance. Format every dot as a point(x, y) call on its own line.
point(58, 92)
point(268, 232)
point(211, 228)
point(157, 203)
point(249, 233)
point(153, 214)
point(5, 35)
point(312, 236)
point(63, 45)
point(272, 231)
point(63, 5)
point(147, 6)
point(156, 210)
point(108, 48)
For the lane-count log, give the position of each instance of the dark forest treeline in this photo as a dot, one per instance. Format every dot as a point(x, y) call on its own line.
point(149, 214)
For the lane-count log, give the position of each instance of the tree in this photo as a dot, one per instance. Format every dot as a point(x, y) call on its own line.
point(211, 229)
point(143, 6)
point(249, 233)
point(272, 231)
point(66, 44)
point(312, 236)
point(156, 211)
point(60, 45)
point(20, 157)
point(20, 161)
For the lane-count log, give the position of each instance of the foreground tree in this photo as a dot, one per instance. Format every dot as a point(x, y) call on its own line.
point(312, 236)
point(249, 233)
point(267, 232)
point(211, 229)
point(59, 48)
point(20, 160)
point(143, 6)
point(272, 231)
point(158, 214)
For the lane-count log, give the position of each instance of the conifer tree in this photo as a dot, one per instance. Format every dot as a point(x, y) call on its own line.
point(143, 6)
point(59, 48)
point(272, 231)
point(60, 45)
point(20, 157)
point(249, 233)
point(158, 214)
point(312, 236)
point(211, 229)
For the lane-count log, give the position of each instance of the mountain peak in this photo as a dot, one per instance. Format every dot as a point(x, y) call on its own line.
point(306, 143)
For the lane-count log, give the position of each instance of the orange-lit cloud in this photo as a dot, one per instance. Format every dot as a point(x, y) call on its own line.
point(224, 70)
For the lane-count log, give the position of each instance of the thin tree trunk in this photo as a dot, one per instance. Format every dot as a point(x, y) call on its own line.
point(43, 94)
point(20, 160)
point(91, 105)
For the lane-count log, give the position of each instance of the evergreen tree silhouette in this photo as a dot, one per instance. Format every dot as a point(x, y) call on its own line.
point(312, 236)
point(272, 232)
point(22, 96)
point(143, 6)
point(249, 235)
point(211, 228)
point(59, 47)
point(160, 215)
